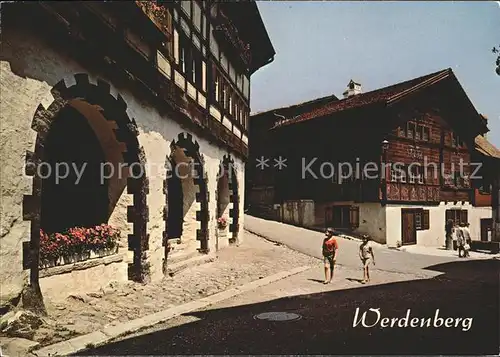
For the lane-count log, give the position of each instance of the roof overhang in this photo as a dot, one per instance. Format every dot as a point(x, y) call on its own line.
point(251, 28)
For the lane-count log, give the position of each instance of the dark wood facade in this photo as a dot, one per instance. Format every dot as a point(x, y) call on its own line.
point(184, 57)
point(430, 126)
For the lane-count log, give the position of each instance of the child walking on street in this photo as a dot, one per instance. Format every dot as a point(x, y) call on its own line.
point(366, 255)
point(330, 248)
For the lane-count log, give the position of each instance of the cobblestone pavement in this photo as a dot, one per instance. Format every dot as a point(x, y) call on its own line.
point(84, 313)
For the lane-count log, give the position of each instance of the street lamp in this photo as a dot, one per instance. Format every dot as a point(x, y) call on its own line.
point(385, 147)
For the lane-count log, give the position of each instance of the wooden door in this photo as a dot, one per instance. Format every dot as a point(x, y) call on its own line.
point(408, 230)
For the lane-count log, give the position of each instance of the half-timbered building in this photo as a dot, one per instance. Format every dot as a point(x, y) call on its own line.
point(157, 93)
point(394, 163)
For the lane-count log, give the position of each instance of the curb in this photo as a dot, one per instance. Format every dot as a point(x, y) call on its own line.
point(107, 334)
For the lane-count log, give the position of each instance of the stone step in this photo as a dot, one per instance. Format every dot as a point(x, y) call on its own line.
point(179, 255)
point(199, 259)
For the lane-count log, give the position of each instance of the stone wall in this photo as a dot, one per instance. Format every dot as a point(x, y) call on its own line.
point(300, 212)
point(29, 70)
point(372, 221)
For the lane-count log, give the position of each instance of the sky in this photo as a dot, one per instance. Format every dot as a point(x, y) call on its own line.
point(321, 45)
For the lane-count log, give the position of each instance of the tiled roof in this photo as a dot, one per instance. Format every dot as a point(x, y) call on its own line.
point(386, 94)
point(330, 97)
point(486, 148)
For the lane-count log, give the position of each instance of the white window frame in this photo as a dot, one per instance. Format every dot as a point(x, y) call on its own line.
point(402, 178)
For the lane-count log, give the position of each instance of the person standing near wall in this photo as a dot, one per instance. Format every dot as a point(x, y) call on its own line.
point(460, 241)
point(449, 231)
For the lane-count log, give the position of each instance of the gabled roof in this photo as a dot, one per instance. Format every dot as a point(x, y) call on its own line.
point(382, 95)
point(486, 148)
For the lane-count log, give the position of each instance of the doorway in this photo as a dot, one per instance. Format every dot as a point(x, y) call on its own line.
point(408, 227)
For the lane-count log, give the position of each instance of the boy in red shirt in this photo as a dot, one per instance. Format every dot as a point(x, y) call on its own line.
point(330, 248)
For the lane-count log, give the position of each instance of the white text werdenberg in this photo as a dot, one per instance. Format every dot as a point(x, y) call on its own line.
point(373, 318)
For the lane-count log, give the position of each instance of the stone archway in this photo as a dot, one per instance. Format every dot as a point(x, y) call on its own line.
point(186, 192)
point(73, 192)
point(228, 198)
point(86, 96)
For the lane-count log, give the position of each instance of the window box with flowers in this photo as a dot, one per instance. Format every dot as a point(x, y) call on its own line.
point(222, 225)
point(77, 244)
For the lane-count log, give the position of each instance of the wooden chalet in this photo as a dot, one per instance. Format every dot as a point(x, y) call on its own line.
point(404, 144)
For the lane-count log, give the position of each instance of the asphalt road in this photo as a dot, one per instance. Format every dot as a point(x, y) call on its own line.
point(465, 289)
point(424, 284)
point(309, 242)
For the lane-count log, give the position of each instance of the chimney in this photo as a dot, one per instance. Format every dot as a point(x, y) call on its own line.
point(353, 88)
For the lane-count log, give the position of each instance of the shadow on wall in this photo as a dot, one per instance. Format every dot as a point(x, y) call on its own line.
point(327, 325)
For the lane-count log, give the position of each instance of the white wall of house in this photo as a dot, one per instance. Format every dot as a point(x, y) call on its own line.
point(29, 69)
point(435, 235)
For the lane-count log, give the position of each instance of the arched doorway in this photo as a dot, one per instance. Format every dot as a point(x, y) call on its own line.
point(228, 199)
point(186, 206)
point(74, 193)
point(117, 133)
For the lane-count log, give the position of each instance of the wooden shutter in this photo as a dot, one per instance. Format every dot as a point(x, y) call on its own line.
point(463, 216)
point(425, 219)
point(354, 216)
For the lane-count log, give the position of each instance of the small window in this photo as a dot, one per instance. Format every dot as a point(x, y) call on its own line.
point(422, 219)
point(186, 7)
point(455, 140)
point(401, 131)
point(410, 130)
point(418, 220)
point(418, 132)
point(196, 15)
point(420, 177)
point(403, 176)
point(412, 177)
point(394, 177)
point(426, 133)
point(182, 59)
